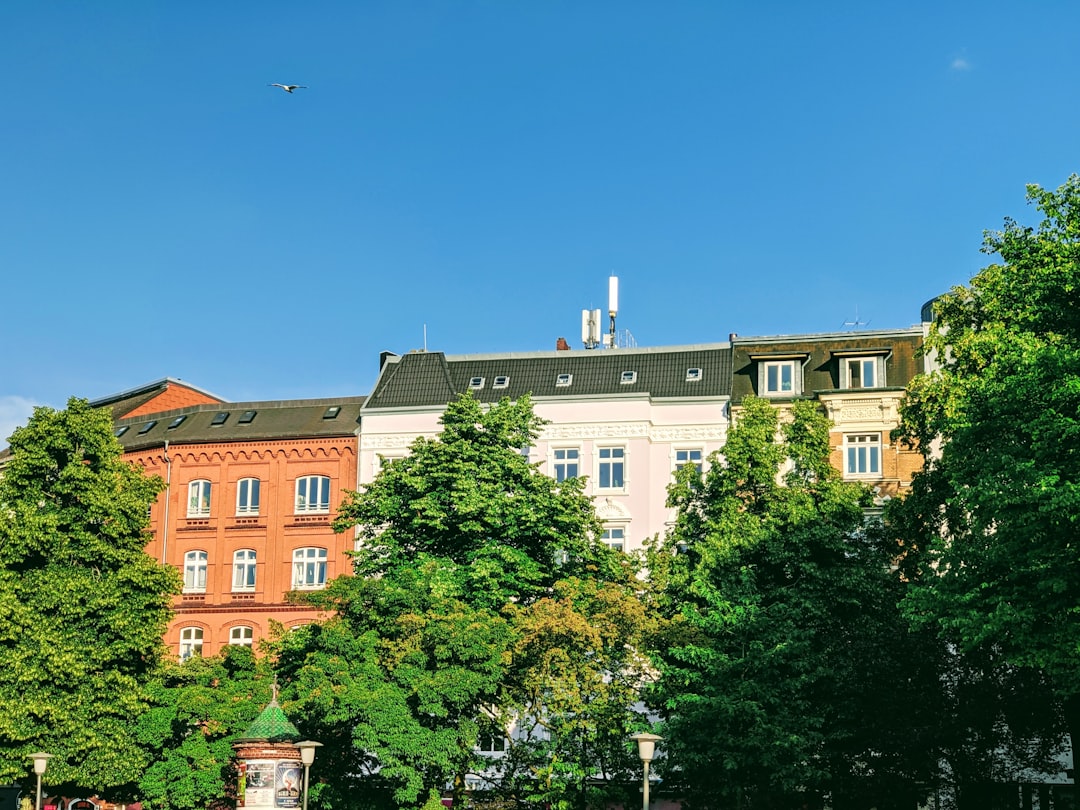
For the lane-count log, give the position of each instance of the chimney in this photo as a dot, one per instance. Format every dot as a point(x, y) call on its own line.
point(561, 345)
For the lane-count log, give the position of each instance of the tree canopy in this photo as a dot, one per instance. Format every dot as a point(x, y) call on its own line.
point(482, 600)
point(995, 512)
point(789, 675)
point(82, 607)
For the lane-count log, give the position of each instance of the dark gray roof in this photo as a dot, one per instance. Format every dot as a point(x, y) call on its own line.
point(426, 379)
point(288, 419)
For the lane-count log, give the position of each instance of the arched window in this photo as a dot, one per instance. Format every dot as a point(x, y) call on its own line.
point(191, 641)
point(243, 567)
point(309, 568)
point(242, 636)
point(247, 496)
point(195, 571)
point(313, 494)
point(198, 499)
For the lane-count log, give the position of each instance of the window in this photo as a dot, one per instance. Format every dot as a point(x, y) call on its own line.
point(332, 412)
point(313, 494)
point(684, 457)
point(611, 467)
point(242, 636)
point(491, 744)
point(246, 418)
point(243, 568)
point(247, 496)
point(693, 374)
point(476, 382)
point(862, 454)
point(219, 418)
point(563, 380)
point(614, 538)
point(198, 503)
point(628, 377)
point(148, 427)
point(863, 372)
point(779, 378)
point(566, 463)
point(501, 381)
point(191, 639)
point(309, 568)
point(120, 431)
point(177, 422)
point(195, 572)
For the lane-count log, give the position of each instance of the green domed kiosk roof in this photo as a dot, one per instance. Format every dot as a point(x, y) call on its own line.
point(271, 725)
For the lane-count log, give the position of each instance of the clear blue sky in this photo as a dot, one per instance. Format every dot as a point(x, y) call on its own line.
point(481, 168)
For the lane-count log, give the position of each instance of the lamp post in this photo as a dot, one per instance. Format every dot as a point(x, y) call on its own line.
point(646, 747)
point(41, 760)
point(307, 756)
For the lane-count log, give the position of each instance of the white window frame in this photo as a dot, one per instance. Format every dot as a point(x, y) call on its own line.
point(683, 455)
point(628, 378)
point(876, 366)
point(196, 564)
point(863, 455)
point(564, 380)
point(616, 455)
point(694, 374)
point(244, 570)
point(198, 504)
point(476, 383)
point(243, 635)
point(614, 537)
point(795, 368)
point(502, 381)
point(560, 464)
point(306, 504)
point(309, 568)
point(191, 642)
point(245, 488)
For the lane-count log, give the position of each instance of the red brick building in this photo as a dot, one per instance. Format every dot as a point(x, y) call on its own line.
point(252, 489)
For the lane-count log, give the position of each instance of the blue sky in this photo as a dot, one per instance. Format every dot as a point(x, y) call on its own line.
point(474, 171)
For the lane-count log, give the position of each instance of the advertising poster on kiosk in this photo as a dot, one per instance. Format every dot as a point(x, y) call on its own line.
point(287, 783)
point(258, 784)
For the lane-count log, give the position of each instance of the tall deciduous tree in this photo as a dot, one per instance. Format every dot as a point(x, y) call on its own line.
point(197, 709)
point(467, 553)
point(82, 607)
point(789, 675)
point(995, 512)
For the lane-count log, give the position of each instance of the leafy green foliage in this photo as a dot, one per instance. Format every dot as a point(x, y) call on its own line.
point(995, 513)
point(82, 607)
point(788, 673)
point(198, 708)
point(481, 598)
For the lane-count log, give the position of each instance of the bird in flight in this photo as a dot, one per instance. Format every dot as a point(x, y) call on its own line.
point(288, 88)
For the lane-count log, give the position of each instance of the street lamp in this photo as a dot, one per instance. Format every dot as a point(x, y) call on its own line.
point(646, 747)
point(307, 756)
point(41, 760)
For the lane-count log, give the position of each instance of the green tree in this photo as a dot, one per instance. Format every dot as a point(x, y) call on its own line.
point(788, 675)
point(197, 709)
point(994, 514)
point(82, 607)
point(466, 550)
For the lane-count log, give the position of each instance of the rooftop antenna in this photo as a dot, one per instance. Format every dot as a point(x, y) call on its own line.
point(590, 328)
point(425, 337)
point(855, 324)
point(613, 309)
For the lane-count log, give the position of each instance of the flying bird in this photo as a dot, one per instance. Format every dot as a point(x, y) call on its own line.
point(288, 88)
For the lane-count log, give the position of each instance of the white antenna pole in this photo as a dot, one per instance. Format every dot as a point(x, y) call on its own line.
point(425, 337)
point(613, 307)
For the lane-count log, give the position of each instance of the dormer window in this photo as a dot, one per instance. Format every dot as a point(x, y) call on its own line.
point(502, 381)
point(780, 375)
point(476, 383)
point(564, 380)
point(628, 377)
point(863, 372)
point(693, 374)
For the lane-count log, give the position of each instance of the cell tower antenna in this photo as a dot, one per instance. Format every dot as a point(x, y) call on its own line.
point(855, 324)
point(613, 308)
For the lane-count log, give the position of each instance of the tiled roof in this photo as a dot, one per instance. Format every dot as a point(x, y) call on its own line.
point(303, 418)
point(127, 401)
point(271, 725)
point(426, 379)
